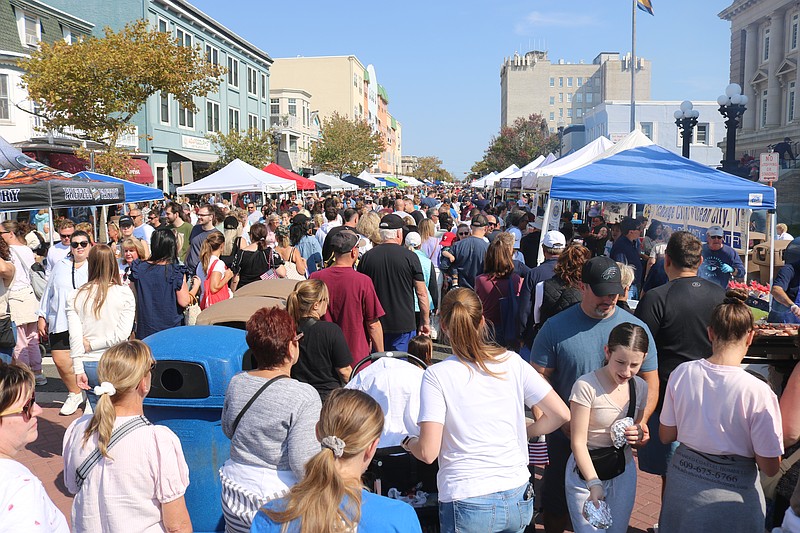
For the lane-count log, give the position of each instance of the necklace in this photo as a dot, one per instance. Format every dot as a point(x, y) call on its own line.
point(73, 272)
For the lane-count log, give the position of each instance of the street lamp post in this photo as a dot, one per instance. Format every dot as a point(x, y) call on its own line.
point(560, 137)
point(686, 120)
point(732, 107)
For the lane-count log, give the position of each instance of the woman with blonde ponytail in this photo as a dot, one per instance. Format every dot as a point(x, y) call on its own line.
point(330, 498)
point(472, 419)
point(133, 482)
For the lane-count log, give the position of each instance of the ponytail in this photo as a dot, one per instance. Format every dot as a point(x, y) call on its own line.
point(306, 293)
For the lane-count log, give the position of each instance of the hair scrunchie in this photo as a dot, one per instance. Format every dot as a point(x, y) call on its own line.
point(105, 388)
point(334, 444)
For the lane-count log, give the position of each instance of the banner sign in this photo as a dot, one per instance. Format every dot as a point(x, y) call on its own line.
point(698, 219)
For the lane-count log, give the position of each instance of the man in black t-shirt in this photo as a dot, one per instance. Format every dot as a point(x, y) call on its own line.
point(397, 275)
point(677, 314)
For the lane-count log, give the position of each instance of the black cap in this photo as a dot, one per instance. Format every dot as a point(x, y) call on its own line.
point(391, 221)
point(602, 274)
point(344, 241)
point(479, 221)
point(628, 224)
point(230, 222)
point(125, 220)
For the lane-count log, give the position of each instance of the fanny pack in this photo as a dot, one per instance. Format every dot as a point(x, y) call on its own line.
point(610, 462)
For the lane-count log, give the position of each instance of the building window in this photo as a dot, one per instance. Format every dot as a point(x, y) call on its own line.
point(569, 112)
point(31, 30)
point(790, 101)
point(355, 80)
point(163, 104)
point(293, 107)
point(701, 134)
point(765, 41)
point(647, 129)
point(579, 112)
point(763, 120)
point(4, 111)
point(274, 106)
point(587, 82)
point(793, 32)
point(185, 117)
point(212, 116)
point(66, 33)
point(184, 37)
point(552, 82)
point(561, 112)
point(569, 98)
point(292, 144)
point(233, 119)
point(252, 121)
point(264, 86)
point(569, 82)
point(580, 81)
point(212, 55)
point(552, 100)
point(560, 82)
point(560, 98)
point(588, 98)
point(233, 72)
point(252, 81)
point(163, 26)
point(263, 124)
point(579, 98)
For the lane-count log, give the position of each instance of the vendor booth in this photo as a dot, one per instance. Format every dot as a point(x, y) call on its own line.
point(332, 182)
point(238, 176)
point(303, 184)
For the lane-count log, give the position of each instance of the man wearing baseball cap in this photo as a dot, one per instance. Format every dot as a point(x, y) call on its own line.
point(720, 261)
point(467, 255)
point(353, 303)
point(569, 345)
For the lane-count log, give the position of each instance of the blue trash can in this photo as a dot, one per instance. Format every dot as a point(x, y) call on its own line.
point(195, 365)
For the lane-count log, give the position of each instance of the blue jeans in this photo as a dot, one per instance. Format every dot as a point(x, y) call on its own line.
point(508, 511)
point(90, 368)
point(397, 342)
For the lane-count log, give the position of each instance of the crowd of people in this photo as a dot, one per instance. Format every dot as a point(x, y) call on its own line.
point(608, 338)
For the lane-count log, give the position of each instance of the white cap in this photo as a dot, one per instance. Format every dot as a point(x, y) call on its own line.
point(554, 239)
point(413, 239)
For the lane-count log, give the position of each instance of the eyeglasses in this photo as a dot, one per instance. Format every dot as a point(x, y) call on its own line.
point(65, 237)
point(465, 234)
point(82, 244)
point(298, 337)
point(714, 237)
point(25, 411)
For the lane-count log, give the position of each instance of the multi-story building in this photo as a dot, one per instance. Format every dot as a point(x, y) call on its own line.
point(169, 133)
point(409, 164)
point(299, 127)
point(564, 92)
point(656, 120)
point(342, 84)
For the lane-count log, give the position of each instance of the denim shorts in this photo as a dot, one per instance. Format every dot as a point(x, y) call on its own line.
point(508, 511)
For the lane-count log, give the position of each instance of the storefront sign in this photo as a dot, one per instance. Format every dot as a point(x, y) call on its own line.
point(195, 143)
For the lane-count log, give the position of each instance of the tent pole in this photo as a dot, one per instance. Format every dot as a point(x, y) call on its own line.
point(50, 210)
point(771, 229)
point(732, 212)
point(746, 214)
point(547, 210)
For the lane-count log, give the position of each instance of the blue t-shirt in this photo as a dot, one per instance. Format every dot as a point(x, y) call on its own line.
point(626, 251)
point(378, 515)
point(469, 253)
point(311, 251)
point(711, 269)
point(571, 343)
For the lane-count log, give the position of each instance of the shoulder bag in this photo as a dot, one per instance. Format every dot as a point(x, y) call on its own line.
point(82, 472)
point(38, 277)
point(270, 273)
point(769, 484)
point(610, 462)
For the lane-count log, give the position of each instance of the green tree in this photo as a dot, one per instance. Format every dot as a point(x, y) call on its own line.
point(347, 146)
point(518, 144)
point(430, 168)
point(253, 147)
point(96, 85)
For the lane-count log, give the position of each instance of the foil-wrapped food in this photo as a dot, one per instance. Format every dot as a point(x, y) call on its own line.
point(618, 431)
point(599, 517)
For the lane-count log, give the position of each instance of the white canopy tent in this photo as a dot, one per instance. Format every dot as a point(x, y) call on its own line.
point(491, 180)
point(481, 182)
point(369, 178)
point(333, 182)
point(238, 176)
point(411, 180)
point(541, 177)
point(530, 166)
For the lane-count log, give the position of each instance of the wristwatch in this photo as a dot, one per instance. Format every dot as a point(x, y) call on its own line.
point(405, 442)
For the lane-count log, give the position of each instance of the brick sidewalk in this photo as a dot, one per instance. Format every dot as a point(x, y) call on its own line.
point(43, 458)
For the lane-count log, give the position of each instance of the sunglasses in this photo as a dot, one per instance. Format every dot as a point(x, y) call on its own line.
point(25, 411)
point(152, 366)
point(81, 244)
point(65, 237)
point(152, 218)
point(714, 237)
point(463, 234)
point(299, 336)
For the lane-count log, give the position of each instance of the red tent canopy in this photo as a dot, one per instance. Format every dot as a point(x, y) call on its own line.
point(303, 184)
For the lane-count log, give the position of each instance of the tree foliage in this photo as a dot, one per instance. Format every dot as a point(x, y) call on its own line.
point(97, 84)
point(347, 146)
point(518, 144)
point(253, 147)
point(430, 168)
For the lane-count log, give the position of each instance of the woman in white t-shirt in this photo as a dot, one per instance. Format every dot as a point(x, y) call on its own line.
point(598, 400)
point(729, 425)
point(472, 420)
point(211, 267)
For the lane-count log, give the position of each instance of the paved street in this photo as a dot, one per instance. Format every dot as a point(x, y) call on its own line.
point(43, 457)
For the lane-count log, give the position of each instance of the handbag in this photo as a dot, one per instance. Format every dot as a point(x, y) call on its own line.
point(270, 273)
point(769, 484)
point(610, 462)
point(36, 273)
point(210, 298)
point(7, 337)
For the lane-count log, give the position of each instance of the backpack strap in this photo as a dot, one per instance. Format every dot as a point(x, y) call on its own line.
point(82, 472)
point(632, 398)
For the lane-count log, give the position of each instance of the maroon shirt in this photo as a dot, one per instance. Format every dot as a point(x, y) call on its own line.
point(353, 304)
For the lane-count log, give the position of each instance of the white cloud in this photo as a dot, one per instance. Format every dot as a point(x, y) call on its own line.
point(538, 20)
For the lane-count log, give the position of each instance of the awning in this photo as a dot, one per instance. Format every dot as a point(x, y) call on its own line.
point(69, 162)
point(200, 157)
point(141, 172)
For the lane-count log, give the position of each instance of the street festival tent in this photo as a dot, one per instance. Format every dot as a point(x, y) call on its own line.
point(333, 183)
point(134, 192)
point(410, 180)
point(238, 176)
point(361, 184)
point(492, 179)
point(540, 177)
point(28, 184)
point(514, 180)
point(369, 178)
point(303, 184)
point(481, 182)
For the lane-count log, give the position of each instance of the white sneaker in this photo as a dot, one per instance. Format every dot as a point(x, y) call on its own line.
point(41, 380)
point(87, 408)
point(71, 404)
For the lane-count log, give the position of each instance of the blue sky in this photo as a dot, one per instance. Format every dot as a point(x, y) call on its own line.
point(440, 61)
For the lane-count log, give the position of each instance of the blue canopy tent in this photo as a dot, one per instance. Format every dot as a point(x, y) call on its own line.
point(386, 183)
point(133, 191)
